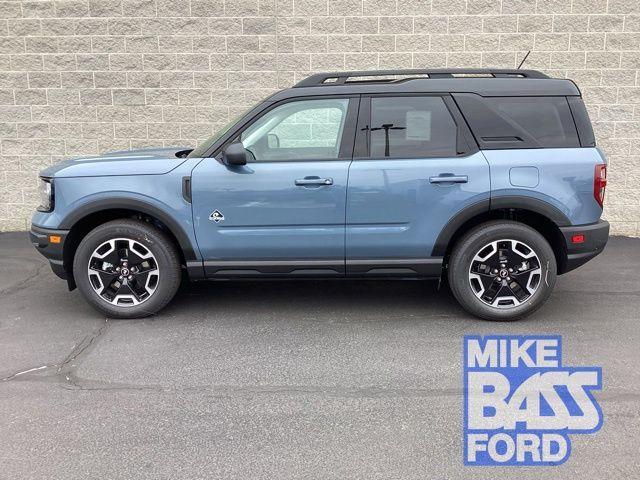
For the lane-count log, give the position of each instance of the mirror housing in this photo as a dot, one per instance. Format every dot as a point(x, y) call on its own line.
point(234, 154)
point(273, 141)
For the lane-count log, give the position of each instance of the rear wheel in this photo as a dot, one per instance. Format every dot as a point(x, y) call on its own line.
point(502, 270)
point(127, 269)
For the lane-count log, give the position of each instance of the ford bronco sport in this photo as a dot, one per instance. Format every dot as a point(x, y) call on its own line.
point(489, 179)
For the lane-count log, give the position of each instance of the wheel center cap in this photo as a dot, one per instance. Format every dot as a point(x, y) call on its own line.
point(504, 273)
point(125, 272)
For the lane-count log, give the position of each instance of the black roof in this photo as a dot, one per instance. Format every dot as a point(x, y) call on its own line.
point(485, 82)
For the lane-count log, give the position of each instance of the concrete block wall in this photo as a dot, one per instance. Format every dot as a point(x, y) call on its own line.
point(80, 77)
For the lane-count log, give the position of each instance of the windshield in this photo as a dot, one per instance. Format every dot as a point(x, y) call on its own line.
point(202, 148)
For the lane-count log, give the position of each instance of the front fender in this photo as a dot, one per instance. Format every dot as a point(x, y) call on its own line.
point(177, 223)
point(159, 196)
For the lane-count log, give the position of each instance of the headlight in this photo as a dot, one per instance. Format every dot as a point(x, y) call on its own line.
point(45, 188)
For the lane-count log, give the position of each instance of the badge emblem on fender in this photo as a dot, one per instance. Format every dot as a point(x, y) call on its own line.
point(216, 216)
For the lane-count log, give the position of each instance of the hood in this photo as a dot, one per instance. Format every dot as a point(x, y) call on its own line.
point(148, 161)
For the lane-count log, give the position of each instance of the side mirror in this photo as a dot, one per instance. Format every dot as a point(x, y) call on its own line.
point(234, 154)
point(273, 141)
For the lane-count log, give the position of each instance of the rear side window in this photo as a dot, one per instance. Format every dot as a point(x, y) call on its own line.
point(409, 127)
point(520, 122)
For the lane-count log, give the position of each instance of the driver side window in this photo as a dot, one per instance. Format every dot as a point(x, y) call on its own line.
point(299, 130)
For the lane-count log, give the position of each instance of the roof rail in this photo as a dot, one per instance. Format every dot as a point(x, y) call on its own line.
point(341, 78)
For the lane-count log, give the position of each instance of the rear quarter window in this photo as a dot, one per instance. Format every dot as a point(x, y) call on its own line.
point(519, 122)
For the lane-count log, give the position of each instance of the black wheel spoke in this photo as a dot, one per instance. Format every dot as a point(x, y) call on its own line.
point(98, 267)
point(127, 287)
point(520, 280)
point(134, 258)
point(524, 273)
point(145, 266)
point(107, 278)
point(123, 254)
point(492, 292)
point(517, 290)
point(111, 258)
point(485, 275)
point(138, 284)
point(483, 269)
point(110, 290)
point(488, 282)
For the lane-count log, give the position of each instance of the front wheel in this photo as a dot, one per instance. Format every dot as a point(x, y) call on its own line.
point(502, 270)
point(127, 269)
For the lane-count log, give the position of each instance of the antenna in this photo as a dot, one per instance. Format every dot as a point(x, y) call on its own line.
point(524, 59)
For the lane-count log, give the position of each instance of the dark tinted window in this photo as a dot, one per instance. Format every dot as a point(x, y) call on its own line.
point(519, 122)
point(405, 127)
point(547, 119)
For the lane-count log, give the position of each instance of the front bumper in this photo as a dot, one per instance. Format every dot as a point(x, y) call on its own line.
point(577, 254)
point(50, 243)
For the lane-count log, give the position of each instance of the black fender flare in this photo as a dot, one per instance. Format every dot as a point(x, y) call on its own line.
point(136, 205)
point(496, 203)
point(536, 205)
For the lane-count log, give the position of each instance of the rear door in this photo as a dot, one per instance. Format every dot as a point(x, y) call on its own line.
point(415, 166)
point(284, 211)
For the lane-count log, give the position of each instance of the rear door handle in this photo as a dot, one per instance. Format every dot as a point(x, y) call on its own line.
point(311, 181)
point(449, 178)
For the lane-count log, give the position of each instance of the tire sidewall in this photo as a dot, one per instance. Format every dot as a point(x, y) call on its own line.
point(471, 244)
point(149, 237)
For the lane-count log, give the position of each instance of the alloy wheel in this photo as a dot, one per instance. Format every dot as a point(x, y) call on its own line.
point(123, 272)
point(505, 273)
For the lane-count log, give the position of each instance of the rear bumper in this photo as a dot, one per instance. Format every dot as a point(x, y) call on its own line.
point(44, 239)
point(577, 254)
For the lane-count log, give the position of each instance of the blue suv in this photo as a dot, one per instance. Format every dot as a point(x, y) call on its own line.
point(489, 179)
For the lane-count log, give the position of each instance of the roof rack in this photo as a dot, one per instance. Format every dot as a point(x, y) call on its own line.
point(342, 78)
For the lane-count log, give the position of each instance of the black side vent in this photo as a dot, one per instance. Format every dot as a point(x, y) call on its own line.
point(186, 189)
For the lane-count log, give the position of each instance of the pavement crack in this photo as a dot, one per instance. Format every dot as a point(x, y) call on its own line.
point(24, 282)
point(226, 391)
point(60, 371)
point(81, 349)
point(600, 292)
point(25, 372)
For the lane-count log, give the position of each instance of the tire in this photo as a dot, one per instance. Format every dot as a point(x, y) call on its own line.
point(485, 254)
point(153, 271)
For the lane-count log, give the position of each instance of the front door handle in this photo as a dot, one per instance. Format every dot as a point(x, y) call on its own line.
point(449, 178)
point(311, 181)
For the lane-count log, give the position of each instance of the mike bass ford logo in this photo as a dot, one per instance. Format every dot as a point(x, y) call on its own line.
point(521, 404)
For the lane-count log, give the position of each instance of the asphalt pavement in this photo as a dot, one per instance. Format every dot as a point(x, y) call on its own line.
point(279, 380)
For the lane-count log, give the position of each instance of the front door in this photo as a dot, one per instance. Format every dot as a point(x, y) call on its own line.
point(284, 212)
point(415, 167)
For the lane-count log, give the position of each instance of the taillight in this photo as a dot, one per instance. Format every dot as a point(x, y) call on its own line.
point(577, 238)
point(600, 183)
